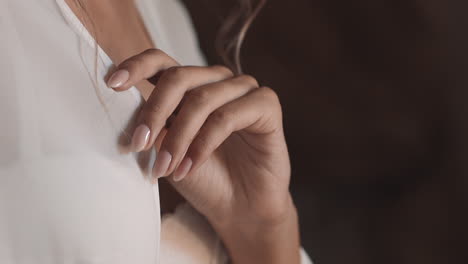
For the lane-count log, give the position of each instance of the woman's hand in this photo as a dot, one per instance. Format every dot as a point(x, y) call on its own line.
point(224, 150)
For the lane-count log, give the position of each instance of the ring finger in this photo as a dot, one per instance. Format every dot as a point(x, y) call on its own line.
point(197, 106)
point(167, 95)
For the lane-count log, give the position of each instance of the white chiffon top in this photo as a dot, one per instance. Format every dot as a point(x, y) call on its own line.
point(69, 193)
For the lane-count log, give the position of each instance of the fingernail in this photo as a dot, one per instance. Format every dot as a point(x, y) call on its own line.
point(118, 78)
point(183, 169)
point(140, 138)
point(163, 160)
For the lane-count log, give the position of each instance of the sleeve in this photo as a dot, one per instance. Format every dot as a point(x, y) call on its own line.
point(305, 259)
point(187, 238)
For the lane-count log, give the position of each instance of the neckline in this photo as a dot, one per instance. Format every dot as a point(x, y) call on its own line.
point(84, 33)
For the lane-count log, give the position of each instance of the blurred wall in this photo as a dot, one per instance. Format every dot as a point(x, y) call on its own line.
point(373, 94)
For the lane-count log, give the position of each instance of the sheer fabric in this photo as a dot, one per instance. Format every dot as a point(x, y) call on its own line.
point(69, 192)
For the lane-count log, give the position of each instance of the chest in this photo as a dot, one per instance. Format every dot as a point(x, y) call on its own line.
point(118, 28)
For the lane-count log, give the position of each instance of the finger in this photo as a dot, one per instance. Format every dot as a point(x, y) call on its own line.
point(160, 138)
point(163, 101)
point(198, 105)
point(140, 67)
point(259, 112)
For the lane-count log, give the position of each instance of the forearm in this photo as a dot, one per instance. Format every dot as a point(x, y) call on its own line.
point(277, 243)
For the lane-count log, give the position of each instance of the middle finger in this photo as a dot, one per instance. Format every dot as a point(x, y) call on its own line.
point(166, 96)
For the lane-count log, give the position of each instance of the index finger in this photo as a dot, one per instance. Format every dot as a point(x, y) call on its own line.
point(143, 66)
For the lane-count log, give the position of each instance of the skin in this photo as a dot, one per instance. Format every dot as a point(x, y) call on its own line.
point(226, 140)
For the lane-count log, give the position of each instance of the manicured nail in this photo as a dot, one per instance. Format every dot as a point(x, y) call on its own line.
point(118, 78)
point(163, 160)
point(140, 138)
point(183, 169)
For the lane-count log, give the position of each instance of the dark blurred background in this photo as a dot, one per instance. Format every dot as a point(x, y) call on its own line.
point(374, 97)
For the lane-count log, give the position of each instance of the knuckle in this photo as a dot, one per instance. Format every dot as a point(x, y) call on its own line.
point(223, 119)
point(269, 93)
point(153, 52)
point(153, 109)
point(143, 58)
point(159, 56)
point(198, 97)
point(175, 73)
point(271, 100)
point(223, 69)
point(132, 63)
point(249, 79)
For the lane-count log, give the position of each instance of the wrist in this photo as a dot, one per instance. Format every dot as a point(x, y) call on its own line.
point(258, 241)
